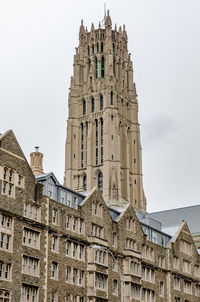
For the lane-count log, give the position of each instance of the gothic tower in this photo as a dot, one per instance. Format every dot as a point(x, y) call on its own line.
point(103, 138)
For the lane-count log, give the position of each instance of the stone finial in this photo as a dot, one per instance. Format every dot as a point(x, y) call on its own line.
point(82, 29)
point(92, 27)
point(36, 162)
point(108, 22)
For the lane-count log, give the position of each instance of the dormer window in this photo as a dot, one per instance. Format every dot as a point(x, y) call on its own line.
point(50, 190)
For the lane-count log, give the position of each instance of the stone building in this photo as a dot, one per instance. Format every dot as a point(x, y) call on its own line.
point(60, 245)
point(91, 238)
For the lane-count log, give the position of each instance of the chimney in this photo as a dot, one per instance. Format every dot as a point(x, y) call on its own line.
point(36, 162)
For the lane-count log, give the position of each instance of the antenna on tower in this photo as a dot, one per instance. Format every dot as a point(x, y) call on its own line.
point(104, 19)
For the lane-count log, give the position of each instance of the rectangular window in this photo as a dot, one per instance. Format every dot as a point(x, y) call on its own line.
point(54, 216)
point(68, 222)
point(54, 270)
point(54, 243)
point(31, 238)
point(115, 288)
point(29, 293)
point(68, 248)
point(162, 289)
point(30, 265)
point(74, 252)
point(74, 224)
point(62, 196)
point(54, 297)
point(68, 275)
point(176, 283)
point(5, 271)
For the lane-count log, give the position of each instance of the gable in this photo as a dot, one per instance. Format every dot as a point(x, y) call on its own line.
point(9, 143)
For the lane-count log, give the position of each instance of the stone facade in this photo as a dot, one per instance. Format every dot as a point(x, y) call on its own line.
point(58, 252)
point(103, 137)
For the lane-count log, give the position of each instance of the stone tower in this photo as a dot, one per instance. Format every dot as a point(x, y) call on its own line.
point(103, 138)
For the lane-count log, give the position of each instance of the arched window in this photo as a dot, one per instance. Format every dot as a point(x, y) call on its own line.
point(92, 48)
point(100, 182)
point(102, 67)
point(101, 46)
point(84, 107)
point(101, 102)
point(84, 182)
point(97, 47)
point(92, 105)
point(96, 68)
point(111, 97)
point(88, 50)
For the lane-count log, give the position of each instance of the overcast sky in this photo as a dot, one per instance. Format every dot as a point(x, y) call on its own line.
point(37, 44)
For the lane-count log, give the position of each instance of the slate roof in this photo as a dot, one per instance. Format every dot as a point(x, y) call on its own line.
point(171, 219)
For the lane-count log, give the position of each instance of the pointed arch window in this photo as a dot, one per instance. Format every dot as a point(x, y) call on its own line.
point(102, 67)
point(101, 46)
point(101, 102)
point(84, 107)
point(100, 182)
point(92, 105)
point(97, 47)
point(92, 48)
point(111, 97)
point(88, 50)
point(96, 68)
point(85, 183)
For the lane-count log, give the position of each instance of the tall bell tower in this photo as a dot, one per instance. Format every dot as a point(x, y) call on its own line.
point(103, 137)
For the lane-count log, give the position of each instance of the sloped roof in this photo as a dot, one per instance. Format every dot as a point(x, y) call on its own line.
point(171, 219)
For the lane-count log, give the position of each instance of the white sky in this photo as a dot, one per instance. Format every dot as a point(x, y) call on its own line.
point(37, 44)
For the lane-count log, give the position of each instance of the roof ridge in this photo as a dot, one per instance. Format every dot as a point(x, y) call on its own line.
point(197, 205)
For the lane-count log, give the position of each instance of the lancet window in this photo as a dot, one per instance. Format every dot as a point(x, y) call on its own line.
point(101, 102)
point(92, 105)
point(84, 182)
point(102, 68)
point(96, 68)
point(84, 107)
point(111, 97)
point(101, 46)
